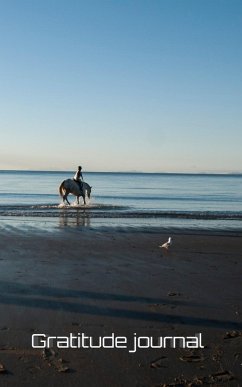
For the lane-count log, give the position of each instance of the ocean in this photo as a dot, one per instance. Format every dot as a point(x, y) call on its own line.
point(192, 201)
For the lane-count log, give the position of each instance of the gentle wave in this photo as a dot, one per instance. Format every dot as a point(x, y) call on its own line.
point(153, 197)
point(108, 211)
point(199, 198)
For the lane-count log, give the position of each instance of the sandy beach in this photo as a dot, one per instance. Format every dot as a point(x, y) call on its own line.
point(117, 281)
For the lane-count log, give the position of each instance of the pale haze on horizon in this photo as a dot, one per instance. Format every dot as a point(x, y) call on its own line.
point(151, 86)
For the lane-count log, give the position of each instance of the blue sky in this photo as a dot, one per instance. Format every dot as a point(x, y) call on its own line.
point(134, 85)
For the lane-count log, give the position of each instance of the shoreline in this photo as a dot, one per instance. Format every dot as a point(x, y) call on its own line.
point(81, 223)
point(99, 281)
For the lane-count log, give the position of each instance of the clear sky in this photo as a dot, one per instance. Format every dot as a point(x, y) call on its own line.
point(121, 85)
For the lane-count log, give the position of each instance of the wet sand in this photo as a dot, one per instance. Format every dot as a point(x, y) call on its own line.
point(101, 282)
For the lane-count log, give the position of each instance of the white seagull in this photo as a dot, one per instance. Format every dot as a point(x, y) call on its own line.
point(167, 244)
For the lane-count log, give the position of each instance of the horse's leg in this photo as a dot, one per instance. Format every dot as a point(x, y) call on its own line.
point(65, 197)
point(84, 200)
point(77, 199)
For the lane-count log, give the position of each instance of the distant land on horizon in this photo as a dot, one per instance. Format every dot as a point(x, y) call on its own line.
point(124, 172)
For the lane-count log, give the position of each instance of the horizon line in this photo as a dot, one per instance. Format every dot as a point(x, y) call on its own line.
point(129, 172)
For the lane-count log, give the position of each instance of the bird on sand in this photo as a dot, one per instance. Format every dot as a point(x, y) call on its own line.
point(167, 244)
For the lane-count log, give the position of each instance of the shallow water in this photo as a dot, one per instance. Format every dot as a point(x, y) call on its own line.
point(135, 200)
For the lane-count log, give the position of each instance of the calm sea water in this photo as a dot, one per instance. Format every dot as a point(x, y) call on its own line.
point(166, 200)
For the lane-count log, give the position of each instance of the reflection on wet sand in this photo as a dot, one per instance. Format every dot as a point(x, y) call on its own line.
point(80, 219)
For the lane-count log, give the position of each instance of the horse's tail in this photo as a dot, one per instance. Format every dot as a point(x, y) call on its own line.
point(61, 188)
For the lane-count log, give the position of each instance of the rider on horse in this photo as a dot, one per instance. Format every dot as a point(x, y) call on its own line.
point(78, 178)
